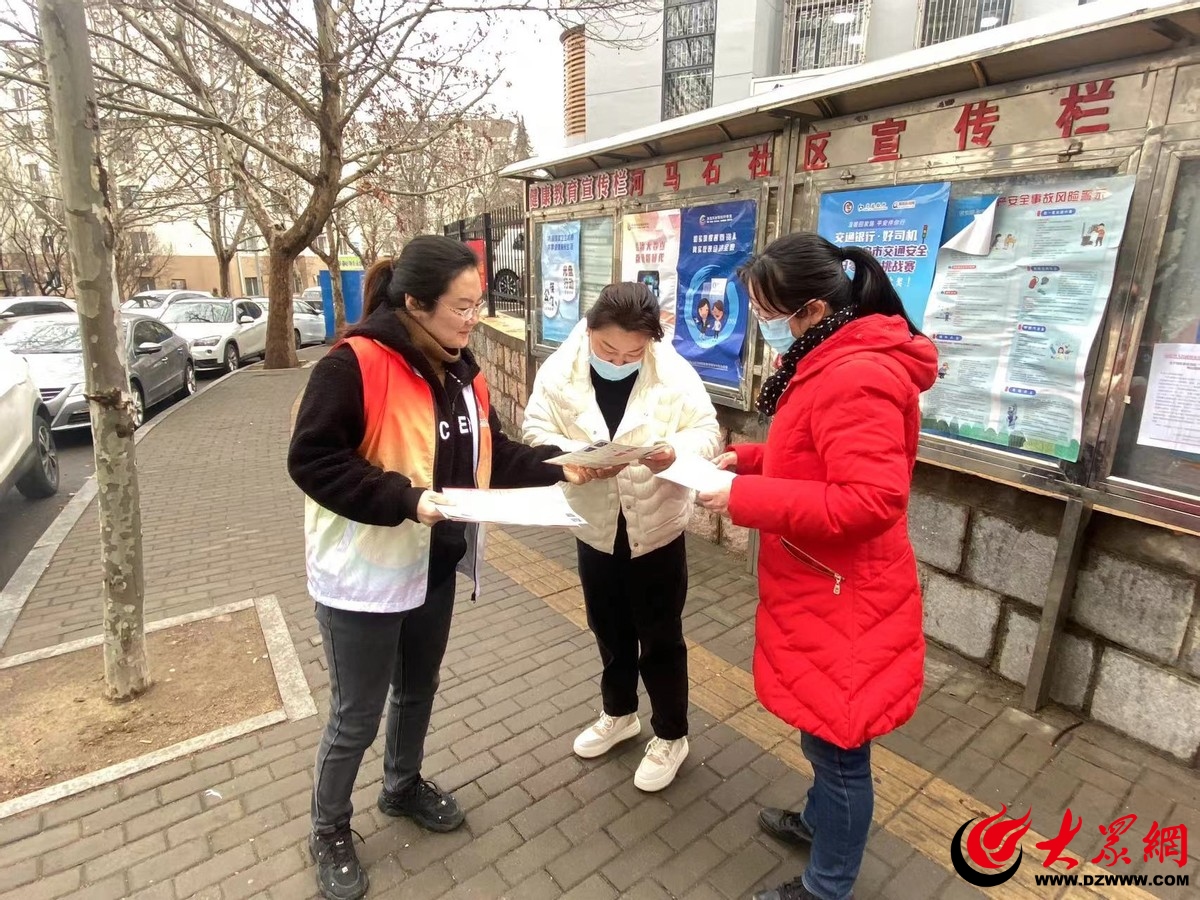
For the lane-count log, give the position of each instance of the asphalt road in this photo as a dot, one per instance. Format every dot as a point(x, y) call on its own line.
point(23, 521)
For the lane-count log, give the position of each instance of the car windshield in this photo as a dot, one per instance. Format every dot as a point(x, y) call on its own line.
point(143, 301)
point(34, 336)
point(205, 312)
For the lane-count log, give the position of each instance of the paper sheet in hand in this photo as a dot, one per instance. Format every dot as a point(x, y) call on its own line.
point(543, 507)
point(603, 454)
point(697, 473)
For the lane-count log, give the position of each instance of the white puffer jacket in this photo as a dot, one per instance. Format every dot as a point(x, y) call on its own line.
point(668, 404)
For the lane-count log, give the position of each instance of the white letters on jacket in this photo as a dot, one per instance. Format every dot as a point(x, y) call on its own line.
point(668, 404)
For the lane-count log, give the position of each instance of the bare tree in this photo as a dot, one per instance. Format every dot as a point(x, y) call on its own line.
point(84, 182)
point(138, 257)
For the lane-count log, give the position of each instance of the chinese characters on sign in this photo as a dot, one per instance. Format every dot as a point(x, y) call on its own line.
point(1088, 108)
point(1077, 106)
point(652, 252)
point(752, 163)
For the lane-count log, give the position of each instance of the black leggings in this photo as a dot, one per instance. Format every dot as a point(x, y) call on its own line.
point(638, 603)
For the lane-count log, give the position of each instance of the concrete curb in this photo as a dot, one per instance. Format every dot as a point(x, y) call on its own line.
point(294, 694)
point(16, 592)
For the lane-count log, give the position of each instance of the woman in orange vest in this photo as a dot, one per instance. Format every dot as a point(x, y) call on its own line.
point(393, 414)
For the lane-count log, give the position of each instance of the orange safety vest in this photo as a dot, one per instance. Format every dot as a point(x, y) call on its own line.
point(375, 568)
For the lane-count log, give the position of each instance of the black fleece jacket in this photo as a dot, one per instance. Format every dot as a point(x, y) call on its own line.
point(324, 461)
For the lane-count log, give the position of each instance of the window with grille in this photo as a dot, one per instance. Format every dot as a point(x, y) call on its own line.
point(690, 31)
point(139, 243)
point(819, 34)
point(944, 20)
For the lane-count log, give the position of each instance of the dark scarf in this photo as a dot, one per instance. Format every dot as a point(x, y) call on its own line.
point(773, 388)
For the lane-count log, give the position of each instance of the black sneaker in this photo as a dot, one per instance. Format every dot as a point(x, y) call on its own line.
point(786, 825)
point(339, 876)
point(792, 890)
point(426, 804)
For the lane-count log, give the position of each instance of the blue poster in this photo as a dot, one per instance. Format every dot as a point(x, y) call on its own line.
point(560, 280)
point(901, 226)
point(712, 309)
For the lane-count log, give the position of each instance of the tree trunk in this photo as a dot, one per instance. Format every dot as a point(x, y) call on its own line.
point(84, 185)
point(281, 347)
point(224, 261)
point(339, 296)
point(334, 264)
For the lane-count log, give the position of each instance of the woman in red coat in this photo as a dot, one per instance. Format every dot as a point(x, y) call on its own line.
point(839, 648)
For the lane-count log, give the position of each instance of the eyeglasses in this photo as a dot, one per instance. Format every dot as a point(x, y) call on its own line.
point(471, 312)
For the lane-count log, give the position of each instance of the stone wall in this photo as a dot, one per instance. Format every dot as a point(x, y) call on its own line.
point(499, 348)
point(1130, 655)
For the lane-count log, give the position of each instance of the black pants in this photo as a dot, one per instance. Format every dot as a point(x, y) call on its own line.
point(638, 603)
point(368, 653)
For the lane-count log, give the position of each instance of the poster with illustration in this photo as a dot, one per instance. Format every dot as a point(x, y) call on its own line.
point(901, 226)
point(560, 280)
point(1014, 328)
point(650, 254)
point(713, 311)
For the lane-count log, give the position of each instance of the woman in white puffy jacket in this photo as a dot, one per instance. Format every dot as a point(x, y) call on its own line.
point(615, 379)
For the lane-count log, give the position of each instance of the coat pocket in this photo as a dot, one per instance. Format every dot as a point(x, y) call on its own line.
point(813, 563)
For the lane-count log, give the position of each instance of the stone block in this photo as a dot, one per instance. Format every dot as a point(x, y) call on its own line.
point(938, 530)
point(960, 615)
point(1134, 604)
point(735, 538)
point(1191, 653)
point(1148, 703)
point(1009, 559)
point(1072, 666)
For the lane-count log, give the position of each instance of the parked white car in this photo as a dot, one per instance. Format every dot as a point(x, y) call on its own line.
point(308, 321)
point(156, 303)
point(222, 333)
point(28, 458)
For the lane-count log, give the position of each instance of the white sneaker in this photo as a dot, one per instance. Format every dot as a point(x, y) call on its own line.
point(606, 734)
point(661, 762)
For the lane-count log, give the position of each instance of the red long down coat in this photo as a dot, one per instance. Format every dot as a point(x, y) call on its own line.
point(839, 646)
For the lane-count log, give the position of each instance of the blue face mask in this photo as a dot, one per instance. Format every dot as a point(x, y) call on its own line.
point(778, 333)
point(611, 371)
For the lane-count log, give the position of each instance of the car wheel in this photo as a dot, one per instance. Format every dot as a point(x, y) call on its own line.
point(507, 283)
point(139, 405)
point(42, 480)
point(232, 359)
point(189, 380)
point(299, 342)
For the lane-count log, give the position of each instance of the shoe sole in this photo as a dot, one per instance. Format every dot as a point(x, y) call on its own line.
point(436, 827)
point(630, 732)
point(321, 888)
point(663, 781)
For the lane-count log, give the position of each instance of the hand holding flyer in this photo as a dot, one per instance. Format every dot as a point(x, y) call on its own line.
point(604, 455)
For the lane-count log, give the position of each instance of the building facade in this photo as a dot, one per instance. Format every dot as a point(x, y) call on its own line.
point(693, 54)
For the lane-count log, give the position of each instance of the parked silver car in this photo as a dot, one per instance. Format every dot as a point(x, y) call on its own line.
point(159, 365)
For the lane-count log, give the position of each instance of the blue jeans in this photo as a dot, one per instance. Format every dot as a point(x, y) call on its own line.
point(838, 813)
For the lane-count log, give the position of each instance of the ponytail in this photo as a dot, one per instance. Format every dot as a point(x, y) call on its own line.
point(871, 291)
point(375, 285)
point(422, 271)
point(799, 267)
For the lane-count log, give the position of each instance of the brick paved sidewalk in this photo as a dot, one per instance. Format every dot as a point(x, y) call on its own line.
point(223, 523)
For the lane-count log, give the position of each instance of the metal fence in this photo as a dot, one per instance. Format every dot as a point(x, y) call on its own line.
point(498, 239)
